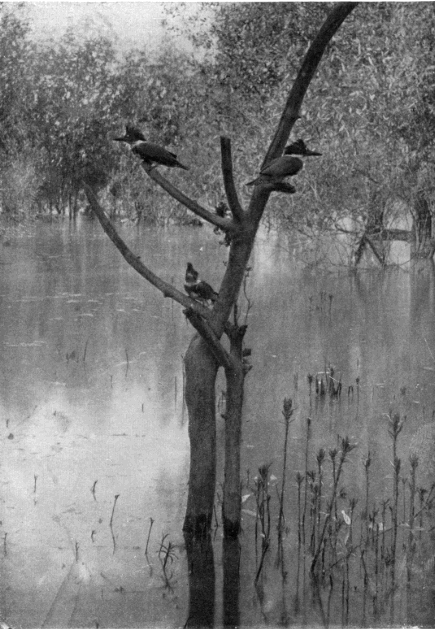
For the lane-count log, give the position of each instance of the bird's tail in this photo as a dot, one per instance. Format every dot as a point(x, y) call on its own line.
point(180, 165)
point(257, 181)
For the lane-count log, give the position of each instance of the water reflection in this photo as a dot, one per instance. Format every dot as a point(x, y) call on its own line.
point(201, 582)
point(91, 408)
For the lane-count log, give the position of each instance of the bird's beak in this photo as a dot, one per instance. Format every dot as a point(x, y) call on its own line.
point(312, 153)
point(119, 139)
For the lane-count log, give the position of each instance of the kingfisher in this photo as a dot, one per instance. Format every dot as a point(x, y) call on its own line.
point(284, 166)
point(152, 154)
point(196, 288)
point(191, 274)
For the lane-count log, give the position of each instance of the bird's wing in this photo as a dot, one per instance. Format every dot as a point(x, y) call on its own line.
point(271, 167)
point(154, 152)
point(283, 166)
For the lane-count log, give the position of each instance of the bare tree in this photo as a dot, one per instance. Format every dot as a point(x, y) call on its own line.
point(207, 352)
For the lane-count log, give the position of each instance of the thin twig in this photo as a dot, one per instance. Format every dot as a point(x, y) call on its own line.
point(113, 509)
point(148, 538)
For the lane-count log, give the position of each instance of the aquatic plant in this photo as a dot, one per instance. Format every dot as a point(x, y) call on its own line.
point(166, 554)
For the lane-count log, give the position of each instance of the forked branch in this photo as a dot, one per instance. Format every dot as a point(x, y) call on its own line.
point(222, 356)
point(134, 261)
point(223, 223)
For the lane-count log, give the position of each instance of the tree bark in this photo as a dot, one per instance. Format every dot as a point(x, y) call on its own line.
point(205, 353)
point(235, 379)
point(201, 370)
point(200, 377)
point(424, 244)
point(233, 431)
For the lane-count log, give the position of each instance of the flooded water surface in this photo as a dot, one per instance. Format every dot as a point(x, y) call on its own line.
point(95, 451)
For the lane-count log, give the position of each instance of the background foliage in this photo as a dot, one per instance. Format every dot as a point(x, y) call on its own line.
point(370, 111)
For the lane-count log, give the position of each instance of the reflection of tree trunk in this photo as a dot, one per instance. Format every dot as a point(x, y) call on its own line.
point(231, 567)
point(201, 581)
point(201, 370)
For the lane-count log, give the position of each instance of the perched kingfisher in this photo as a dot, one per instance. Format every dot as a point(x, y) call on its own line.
point(148, 152)
point(191, 274)
point(285, 166)
point(196, 288)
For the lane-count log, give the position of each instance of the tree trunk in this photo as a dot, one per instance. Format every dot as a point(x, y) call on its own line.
point(424, 244)
point(201, 371)
point(235, 379)
point(233, 431)
point(204, 356)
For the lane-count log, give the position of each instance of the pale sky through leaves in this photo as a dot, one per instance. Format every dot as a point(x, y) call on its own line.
point(132, 23)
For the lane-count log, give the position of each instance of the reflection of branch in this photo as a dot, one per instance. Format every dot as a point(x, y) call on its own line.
point(167, 289)
point(223, 223)
point(227, 172)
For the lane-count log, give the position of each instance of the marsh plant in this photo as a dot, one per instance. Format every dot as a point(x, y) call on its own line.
point(364, 549)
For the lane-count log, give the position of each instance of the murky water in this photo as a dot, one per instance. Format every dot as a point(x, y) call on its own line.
point(95, 453)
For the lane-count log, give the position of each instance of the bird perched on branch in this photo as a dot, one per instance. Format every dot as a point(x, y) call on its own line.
point(151, 154)
point(196, 288)
point(191, 274)
point(285, 166)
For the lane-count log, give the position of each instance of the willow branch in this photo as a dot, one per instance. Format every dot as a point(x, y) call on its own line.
point(309, 66)
point(134, 261)
point(203, 328)
point(227, 172)
point(223, 223)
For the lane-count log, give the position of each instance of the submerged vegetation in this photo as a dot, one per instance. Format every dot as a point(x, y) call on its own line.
point(367, 556)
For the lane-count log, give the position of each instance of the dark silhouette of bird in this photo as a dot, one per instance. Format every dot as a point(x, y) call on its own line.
point(202, 290)
point(151, 154)
point(191, 274)
point(222, 209)
point(285, 166)
point(196, 288)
